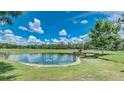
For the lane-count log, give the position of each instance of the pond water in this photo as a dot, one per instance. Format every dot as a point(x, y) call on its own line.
point(44, 59)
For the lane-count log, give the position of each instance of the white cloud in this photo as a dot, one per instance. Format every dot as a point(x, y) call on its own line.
point(1, 41)
point(8, 31)
point(35, 26)
point(34, 40)
point(80, 21)
point(85, 38)
point(82, 15)
point(55, 40)
point(108, 13)
point(114, 17)
point(7, 36)
point(38, 41)
point(75, 40)
point(10, 38)
point(60, 40)
point(18, 38)
point(64, 40)
point(1, 32)
point(63, 32)
point(72, 40)
point(14, 39)
point(23, 28)
point(84, 21)
point(76, 21)
point(46, 40)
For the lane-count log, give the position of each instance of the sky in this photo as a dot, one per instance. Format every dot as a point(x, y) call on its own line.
point(46, 27)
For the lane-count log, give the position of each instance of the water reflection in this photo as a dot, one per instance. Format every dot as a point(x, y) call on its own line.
point(48, 59)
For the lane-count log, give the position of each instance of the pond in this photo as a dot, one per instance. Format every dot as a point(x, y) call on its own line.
point(44, 59)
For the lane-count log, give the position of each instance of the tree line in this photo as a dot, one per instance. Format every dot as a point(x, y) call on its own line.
point(116, 45)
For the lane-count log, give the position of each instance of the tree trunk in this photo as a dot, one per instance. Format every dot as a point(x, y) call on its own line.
point(102, 50)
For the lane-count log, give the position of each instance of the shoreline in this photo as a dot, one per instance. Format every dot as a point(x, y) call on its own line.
point(78, 61)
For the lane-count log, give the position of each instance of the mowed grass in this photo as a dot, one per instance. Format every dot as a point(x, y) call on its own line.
point(91, 68)
point(24, 51)
point(115, 57)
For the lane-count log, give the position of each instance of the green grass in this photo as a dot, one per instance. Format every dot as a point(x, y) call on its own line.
point(23, 51)
point(115, 57)
point(91, 68)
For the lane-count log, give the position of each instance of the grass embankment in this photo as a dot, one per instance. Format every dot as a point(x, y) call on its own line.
point(115, 57)
point(91, 68)
point(24, 51)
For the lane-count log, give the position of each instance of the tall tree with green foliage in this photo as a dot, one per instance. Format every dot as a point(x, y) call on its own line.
point(104, 33)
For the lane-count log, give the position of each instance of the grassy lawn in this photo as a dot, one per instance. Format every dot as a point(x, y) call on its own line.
point(23, 51)
point(115, 57)
point(107, 67)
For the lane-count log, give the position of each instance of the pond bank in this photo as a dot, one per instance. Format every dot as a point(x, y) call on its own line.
point(78, 61)
point(36, 51)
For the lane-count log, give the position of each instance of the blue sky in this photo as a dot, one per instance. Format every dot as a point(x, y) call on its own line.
point(36, 27)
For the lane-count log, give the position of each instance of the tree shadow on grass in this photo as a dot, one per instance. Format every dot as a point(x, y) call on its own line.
point(5, 67)
point(6, 78)
point(94, 55)
point(100, 56)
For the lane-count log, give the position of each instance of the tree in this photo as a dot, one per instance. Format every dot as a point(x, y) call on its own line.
point(116, 45)
point(122, 45)
point(104, 33)
point(6, 16)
